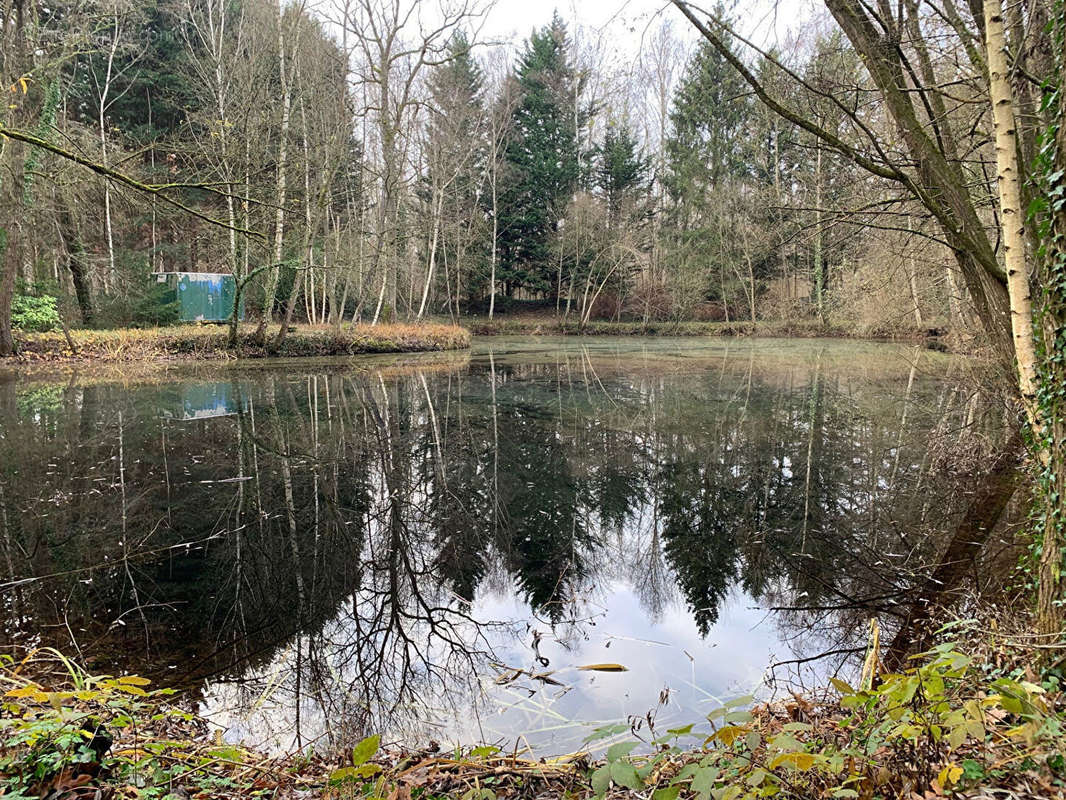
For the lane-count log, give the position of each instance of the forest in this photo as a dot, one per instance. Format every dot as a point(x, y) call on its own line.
point(358, 163)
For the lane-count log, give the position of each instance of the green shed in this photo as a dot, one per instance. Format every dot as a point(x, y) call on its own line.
point(202, 296)
point(192, 401)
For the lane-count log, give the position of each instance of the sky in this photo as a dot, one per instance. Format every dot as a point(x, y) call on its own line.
point(624, 22)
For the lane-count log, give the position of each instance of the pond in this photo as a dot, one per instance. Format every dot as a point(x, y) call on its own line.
point(432, 548)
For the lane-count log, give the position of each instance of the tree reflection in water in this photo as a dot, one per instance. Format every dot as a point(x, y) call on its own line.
point(327, 552)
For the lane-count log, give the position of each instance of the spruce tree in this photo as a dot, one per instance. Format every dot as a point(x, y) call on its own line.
point(711, 123)
point(709, 154)
point(542, 159)
point(621, 171)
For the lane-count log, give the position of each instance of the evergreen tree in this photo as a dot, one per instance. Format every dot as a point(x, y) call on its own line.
point(151, 96)
point(621, 172)
point(711, 123)
point(709, 155)
point(542, 158)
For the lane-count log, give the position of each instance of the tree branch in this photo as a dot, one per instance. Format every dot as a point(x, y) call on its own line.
point(154, 189)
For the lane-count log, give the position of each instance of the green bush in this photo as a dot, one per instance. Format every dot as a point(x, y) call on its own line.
point(30, 313)
point(156, 308)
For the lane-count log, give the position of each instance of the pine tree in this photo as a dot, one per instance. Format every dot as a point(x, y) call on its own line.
point(542, 158)
point(711, 123)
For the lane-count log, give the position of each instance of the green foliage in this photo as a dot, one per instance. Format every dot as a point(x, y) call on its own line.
point(711, 119)
point(1048, 212)
point(542, 158)
point(930, 721)
point(155, 308)
point(151, 91)
point(361, 767)
point(143, 303)
point(45, 128)
point(456, 169)
point(52, 735)
point(621, 169)
point(34, 314)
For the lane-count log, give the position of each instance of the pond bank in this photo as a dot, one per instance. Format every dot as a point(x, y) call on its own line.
point(202, 342)
point(975, 715)
point(797, 329)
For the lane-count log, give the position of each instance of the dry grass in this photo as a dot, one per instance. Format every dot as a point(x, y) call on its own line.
point(203, 342)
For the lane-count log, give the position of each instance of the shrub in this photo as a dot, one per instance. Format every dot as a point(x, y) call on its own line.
point(152, 307)
point(30, 313)
point(156, 308)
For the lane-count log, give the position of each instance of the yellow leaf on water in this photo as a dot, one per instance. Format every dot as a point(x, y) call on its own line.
point(603, 668)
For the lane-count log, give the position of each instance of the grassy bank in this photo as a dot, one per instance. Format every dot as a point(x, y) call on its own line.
point(203, 342)
point(975, 715)
point(547, 325)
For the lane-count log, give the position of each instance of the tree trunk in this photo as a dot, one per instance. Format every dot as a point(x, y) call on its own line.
point(940, 186)
point(1052, 481)
point(819, 267)
point(76, 263)
point(279, 218)
point(1013, 218)
point(438, 209)
point(7, 295)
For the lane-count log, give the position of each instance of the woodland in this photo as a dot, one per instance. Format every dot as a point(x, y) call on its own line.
point(377, 161)
point(366, 162)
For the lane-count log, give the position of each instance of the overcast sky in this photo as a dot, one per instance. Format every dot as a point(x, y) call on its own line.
point(624, 22)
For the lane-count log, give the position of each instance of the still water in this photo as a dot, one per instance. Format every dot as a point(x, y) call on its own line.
point(433, 547)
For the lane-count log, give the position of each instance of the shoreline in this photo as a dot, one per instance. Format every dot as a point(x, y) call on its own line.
point(195, 343)
point(983, 720)
point(202, 343)
point(787, 329)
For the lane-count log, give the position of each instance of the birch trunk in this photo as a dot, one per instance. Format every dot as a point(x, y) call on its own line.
point(279, 218)
point(1010, 202)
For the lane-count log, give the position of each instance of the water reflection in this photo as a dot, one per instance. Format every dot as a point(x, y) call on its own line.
point(327, 551)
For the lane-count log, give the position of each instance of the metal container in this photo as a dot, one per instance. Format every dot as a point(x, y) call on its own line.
point(202, 296)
